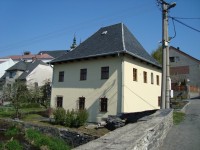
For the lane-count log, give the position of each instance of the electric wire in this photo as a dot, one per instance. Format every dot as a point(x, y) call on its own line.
point(186, 18)
point(174, 27)
point(184, 24)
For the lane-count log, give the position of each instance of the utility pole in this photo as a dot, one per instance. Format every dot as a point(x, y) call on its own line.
point(165, 94)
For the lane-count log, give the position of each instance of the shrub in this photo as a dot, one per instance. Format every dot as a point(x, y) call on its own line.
point(70, 118)
point(82, 116)
point(76, 118)
point(59, 116)
point(13, 145)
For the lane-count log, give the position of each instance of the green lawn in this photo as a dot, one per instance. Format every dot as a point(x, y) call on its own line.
point(178, 117)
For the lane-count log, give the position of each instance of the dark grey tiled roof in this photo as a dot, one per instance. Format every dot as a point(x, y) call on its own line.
point(21, 65)
point(55, 53)
point(106, 41)
point(27, 67)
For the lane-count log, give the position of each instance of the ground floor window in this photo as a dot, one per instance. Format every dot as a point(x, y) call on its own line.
point(59, 101)
point(81, 103)
point(104, 104)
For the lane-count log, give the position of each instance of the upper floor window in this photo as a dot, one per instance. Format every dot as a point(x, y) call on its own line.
point(174, 59)
point(134, 74)
point(61, 76)
point(11, 74)
point(145, 76)
point(152, 78)
point(59, 101)
point(83, 74)
point(157, 79)
point(81, 103)
point(104, 104)
point(104, 72)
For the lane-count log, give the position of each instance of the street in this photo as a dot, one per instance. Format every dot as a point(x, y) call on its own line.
point(186, 135)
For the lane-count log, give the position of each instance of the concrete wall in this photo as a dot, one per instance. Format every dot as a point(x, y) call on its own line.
point(148, 133)
point(140, 96)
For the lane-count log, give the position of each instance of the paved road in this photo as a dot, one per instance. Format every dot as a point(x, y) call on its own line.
point(185, 136)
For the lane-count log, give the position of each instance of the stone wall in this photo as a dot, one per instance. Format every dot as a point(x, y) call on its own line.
point(147, 133)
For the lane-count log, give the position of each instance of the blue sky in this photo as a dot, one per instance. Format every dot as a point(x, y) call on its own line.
point(35, 25)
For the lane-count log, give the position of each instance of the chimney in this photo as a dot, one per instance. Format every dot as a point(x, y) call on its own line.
point(27, 53)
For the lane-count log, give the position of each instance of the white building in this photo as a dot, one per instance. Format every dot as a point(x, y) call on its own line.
point(108, 74)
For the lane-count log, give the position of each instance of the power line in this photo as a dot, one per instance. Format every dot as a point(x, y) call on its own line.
point(186, 18)
point(184, 24)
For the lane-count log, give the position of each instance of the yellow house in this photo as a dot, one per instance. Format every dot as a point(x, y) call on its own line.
point(108, 74)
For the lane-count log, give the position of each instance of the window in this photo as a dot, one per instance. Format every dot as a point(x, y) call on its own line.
point(157, 79)
point(172, 59)
point(104, 72)
point(145, 76)
point(61, 76)
point(11, 74)
point(83, 74)
point(59, 101)
point(103, 104)
point(134, 74)
point(81, 103)
point(36, 85)
point(152, 79)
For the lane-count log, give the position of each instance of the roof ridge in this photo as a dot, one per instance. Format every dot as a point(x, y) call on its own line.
point(123, 43)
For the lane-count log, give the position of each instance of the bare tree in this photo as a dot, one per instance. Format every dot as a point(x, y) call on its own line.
point(17, 93)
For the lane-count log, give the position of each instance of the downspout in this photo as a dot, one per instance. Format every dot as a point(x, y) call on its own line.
point(122, 71)
point(122, 79)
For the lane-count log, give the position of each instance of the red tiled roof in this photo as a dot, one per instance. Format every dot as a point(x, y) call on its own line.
point(30, 56)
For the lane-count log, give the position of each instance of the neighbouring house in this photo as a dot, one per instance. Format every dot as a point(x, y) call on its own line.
point(108, 74)
point(27, 56)
point(34, 74)
point(54, 53)
point(5, 64)
point(184, 70)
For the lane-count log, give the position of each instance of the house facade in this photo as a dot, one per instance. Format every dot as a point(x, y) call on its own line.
point(34, 73)
point(184, 68)
point(108, 74)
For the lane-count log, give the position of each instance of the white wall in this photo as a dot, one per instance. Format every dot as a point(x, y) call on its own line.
point(5, 65)
point(140, 96)
point(40, 75)
point(92, 89)
point(127, 96)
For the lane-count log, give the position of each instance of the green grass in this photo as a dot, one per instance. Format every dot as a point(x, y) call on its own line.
point(9, 112)
point(32, 117)
point(178, 117)
point(41, 140)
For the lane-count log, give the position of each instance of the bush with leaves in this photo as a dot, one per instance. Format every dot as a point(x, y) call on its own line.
point(70, 118)
point(59, 116)
point(82, 116)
